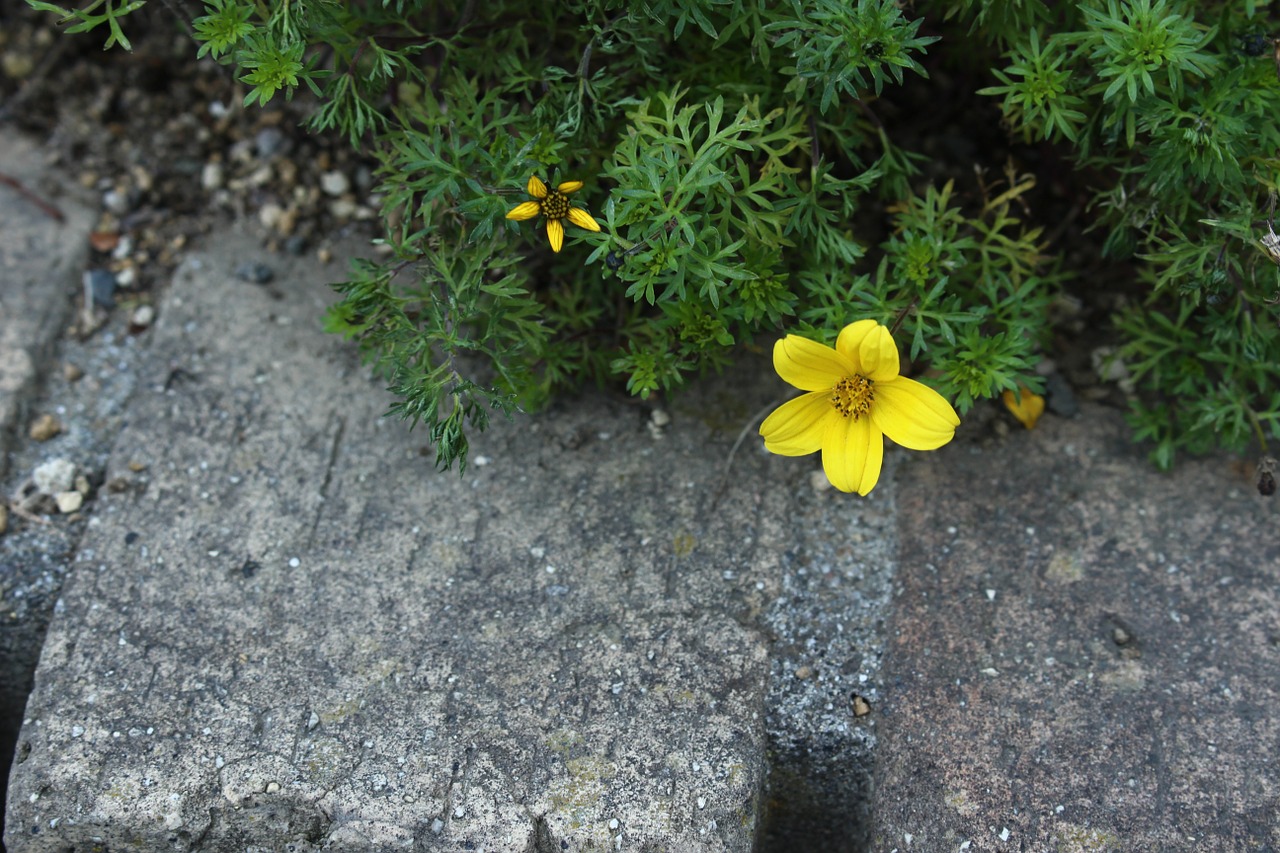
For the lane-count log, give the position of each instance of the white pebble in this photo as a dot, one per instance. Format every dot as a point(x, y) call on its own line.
point(144, 316)
point(54, 476)
point(69, 501)
point(212, 176)
point(334, 183)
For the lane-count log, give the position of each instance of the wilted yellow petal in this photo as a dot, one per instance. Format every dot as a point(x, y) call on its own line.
point(796, 427)
point(555, 233)
point(528, 210)
point(582, 219)
point(808, 365)
point(1027, 410)
point(570, 187)
point(913, 415)
point(536, 187)
point(871, 349)
point(852, 454)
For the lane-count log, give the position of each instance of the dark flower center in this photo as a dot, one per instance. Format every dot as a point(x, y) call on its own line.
point(555, 205)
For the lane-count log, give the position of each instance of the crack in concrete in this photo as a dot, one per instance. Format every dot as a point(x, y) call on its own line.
point(330, 464)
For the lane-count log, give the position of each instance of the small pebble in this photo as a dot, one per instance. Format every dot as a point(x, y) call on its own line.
point(269, 214)
point(116, 201)
point(68, 502)
point(334, 183)
point(54, 476)
point(44, 428)
point(1059, 397)
point(82, 485)
point(104, 241)
point(4, 518)
point(143, 316)
point(659, 418)
point(16, 65)
point(269, 142)
point(101, 286)
point(212, 176)
point(72, 372)
point(342, 208)
point(255, 272)
point(804, 672)
point(124, 247)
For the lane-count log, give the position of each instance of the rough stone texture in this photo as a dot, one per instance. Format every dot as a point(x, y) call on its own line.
point(40, 264)
point(290, 630)
point(827, 634)
point(1084, 653)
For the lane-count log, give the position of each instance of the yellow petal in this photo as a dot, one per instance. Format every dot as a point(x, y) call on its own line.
point(871, 349)
point(528, 210)
point(536, 187)
point(582, 219)
point(555, 233)
point(852, 454)
point(913, 414)
point(570, 187)
point(808, 365)
point(795, 428)
point(1027, 410)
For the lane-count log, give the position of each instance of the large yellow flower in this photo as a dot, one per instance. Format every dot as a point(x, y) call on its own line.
point(554, 205)
point(856, 397)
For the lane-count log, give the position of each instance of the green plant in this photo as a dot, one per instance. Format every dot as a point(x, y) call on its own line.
point(737, 159)
point(1171, 106)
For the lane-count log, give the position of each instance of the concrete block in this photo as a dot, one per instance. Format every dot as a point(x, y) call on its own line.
point(41, 260)
point(1084, 653)
point(288, 632)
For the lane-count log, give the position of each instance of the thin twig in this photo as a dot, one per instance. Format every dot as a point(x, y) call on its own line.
point(45, 207)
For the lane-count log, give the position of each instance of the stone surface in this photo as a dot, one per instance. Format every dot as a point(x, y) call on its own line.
point(40, 263)
point(285, 628)
point(1084, 653)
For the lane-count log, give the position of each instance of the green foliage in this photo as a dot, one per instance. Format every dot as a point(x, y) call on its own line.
point(1172, 108)
point(740, 159)
point(88, 18)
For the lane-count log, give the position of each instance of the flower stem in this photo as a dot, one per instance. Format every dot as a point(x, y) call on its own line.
point(902, 315)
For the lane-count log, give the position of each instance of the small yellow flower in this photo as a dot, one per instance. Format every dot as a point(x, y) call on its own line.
point(856, 396)
point(554, 205)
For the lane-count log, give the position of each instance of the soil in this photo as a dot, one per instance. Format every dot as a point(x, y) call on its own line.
point(162, 143)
